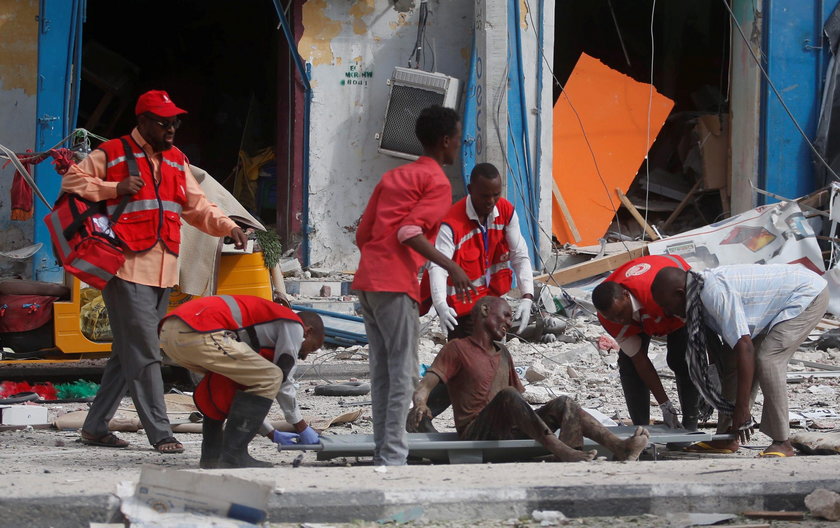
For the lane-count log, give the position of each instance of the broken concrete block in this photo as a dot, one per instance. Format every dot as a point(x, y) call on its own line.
point(23, 414)
point(319, 272)
point(536, 373)
point(548, 517)
point(538, 395)
point(291, 267)
point(824, 503)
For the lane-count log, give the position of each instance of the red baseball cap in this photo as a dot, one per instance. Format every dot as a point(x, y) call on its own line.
point(158, 103)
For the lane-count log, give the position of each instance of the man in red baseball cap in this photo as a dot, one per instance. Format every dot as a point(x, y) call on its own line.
point(157, 102)
point(145, 166)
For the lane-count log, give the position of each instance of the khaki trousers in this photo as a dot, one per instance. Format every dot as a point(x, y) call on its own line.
point(773, 351)
point(221, 353)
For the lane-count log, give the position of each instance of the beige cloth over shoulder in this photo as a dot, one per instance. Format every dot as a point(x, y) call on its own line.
point(201, 253)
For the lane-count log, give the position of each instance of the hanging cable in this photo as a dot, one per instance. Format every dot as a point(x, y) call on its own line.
point(777, 93)
point(650, 110)
point(421, 30)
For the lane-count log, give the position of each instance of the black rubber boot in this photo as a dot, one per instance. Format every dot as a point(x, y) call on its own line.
point(689, 398)
point(211, 443)
point(246, 415)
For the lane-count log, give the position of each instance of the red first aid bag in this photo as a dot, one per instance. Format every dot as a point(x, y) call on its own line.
point(83, 239)
point(82, 236)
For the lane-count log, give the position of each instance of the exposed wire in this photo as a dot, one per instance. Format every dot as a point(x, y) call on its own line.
point(777, 93)
point(618, 32)
point(417, 52)
point(650, 110)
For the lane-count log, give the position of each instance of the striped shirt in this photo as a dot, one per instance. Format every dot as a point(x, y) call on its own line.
point(749, 299)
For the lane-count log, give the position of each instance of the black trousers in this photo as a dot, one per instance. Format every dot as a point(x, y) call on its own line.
point(637, 394)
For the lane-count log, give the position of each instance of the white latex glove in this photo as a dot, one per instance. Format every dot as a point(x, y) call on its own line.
point(670, 415)
point(523, 314)
point(447, 316)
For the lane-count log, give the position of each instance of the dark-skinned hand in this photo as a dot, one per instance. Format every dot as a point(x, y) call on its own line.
point(239, 237)
point(462, 284)
point(130, 185)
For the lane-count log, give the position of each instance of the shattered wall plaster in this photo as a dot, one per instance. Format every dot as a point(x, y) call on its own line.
point(348, 108)
point(18, 85)
point(353, 48)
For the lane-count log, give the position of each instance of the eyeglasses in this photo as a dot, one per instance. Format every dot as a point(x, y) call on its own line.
point(175, 123)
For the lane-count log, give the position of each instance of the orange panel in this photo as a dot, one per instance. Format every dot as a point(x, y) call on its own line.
point(612, 110)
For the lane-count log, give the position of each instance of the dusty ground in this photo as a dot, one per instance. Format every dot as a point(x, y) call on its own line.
point(644, 521)
point(577, 368)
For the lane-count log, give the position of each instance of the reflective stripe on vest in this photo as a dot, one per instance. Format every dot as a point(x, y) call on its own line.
point(147, 205)
point(173, 164)
point(675, 260)
point(121, 159)
point(233, 306)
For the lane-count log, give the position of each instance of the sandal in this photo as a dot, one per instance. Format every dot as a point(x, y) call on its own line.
point(108, 440)
point(169, 445)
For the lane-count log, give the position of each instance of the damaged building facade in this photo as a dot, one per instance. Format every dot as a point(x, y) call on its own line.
point(293, 129)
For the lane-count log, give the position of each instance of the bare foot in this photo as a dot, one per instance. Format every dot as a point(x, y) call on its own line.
point(633, 446)
point(574, 455)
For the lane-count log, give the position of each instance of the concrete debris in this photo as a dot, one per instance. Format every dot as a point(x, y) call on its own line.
point(824, 503)
point(548, 517)
point(536, 395)
point(291, 267)
point(319, 272)
point(821, 389)
point(536, 373)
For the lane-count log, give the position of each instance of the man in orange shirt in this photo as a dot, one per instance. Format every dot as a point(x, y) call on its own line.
point(137, 297)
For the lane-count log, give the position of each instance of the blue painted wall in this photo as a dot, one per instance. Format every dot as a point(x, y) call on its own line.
point(60, 23)
point(796, 65)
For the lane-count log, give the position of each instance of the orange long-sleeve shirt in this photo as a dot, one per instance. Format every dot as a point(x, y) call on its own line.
point(155, 267)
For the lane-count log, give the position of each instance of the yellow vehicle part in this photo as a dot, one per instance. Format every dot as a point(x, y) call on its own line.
point(239, 274)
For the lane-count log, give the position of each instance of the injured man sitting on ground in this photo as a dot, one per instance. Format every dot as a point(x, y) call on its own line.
point(486, 396)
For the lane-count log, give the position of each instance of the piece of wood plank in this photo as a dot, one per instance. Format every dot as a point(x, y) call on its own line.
point(779, 515)
point(565, 210)
point(636, 214)
point(590, 268)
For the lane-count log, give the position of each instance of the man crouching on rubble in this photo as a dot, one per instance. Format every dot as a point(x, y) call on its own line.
point(247, 347)
point(486, 395)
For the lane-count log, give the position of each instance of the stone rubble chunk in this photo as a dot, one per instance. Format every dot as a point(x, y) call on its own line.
point(536, 373)
point(319, 272)
point(824, 503)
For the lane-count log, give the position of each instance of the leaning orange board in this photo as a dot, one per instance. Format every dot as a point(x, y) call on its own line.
point(613, 111)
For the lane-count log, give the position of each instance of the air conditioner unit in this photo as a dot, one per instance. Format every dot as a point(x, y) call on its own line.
point(411, 92)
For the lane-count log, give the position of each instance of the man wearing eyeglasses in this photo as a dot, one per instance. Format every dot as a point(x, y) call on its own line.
point(150, 227)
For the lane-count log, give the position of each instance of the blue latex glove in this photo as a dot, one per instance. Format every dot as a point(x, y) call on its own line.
point(279, 437)
point(309, 436)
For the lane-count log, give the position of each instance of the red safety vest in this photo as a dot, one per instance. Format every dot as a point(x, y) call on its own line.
point(637, 277)
point(241, 313)
point(154, 213)
point(484, 256)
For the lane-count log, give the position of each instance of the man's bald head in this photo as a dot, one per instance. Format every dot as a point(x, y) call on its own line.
point(668, 290)
point(493, 316)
